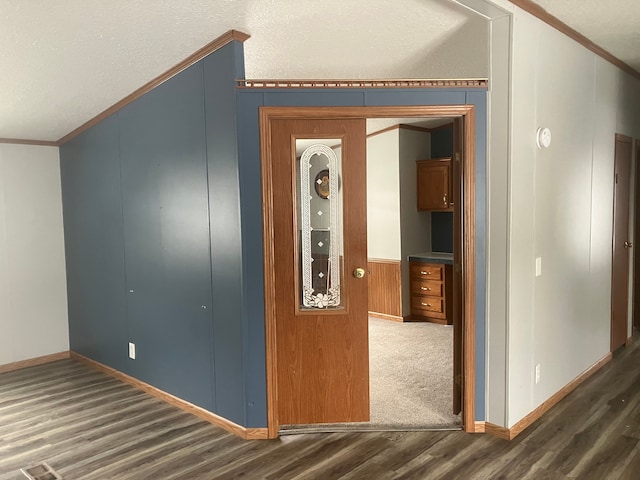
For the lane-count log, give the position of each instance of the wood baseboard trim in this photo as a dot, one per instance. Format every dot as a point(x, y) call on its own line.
point(228, 425)
point(629, 341)
point(32, 362)
point(479, 427)
point(384, 316)
point(497, 431)
point(520, 426)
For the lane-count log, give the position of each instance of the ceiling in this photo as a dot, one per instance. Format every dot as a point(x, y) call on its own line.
point(612, 25)
point(65, 61)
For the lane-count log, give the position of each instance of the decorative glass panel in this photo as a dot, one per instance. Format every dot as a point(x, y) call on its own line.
point(319, 222)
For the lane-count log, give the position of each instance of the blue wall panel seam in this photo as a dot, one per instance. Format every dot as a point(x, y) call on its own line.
point(211, 322)
point(124, 250)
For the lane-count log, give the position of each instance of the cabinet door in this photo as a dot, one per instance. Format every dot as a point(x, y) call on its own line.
point(433, 185)
point(166, 230)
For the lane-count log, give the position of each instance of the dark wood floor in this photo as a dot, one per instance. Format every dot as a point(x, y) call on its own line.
point(89, 426)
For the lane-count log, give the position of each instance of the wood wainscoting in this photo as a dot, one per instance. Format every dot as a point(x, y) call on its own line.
point(385, 289)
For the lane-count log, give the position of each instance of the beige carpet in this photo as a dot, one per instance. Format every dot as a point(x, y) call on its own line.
point(411, 374)
point(411, 379)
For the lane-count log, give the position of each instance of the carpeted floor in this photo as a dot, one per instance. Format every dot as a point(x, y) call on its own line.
point(411, 374)
point(411, 379)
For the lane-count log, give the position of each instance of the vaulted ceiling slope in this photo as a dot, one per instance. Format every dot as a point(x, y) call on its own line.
point(612, 25)
point(65, 61)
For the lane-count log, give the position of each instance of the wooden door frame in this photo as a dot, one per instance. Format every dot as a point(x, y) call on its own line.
point(635, 296)
point(467, 113)
point(623, 139)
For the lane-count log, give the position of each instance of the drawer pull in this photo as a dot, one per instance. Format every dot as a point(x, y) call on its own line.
point(425, 288)
point(425, 304)
point(424, 273)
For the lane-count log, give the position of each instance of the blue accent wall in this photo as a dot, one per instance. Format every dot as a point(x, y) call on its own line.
point(94, 244)
point(442, 232)
point(220, 72)
point(152, 237)
point(442, 142)
point(163, 232)
point(442, 222)
point(249, 101)
point(166, 237)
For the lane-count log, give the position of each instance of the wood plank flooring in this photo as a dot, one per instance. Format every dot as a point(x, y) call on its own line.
point(87, 425)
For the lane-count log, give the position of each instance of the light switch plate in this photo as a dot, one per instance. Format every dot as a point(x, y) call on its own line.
point(538, 266)
point(132, 351)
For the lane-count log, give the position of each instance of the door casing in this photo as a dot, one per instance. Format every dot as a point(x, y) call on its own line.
point(467, 115)
point(623, 154)
point(636, 235)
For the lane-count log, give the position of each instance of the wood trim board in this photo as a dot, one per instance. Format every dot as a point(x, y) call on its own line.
point(407, 126)
point(20, 141)
point(385, 288)
point(32, 362)
point(521, 425)
point(467, 112)
point(346, 83)
point(480, 427)
point(384, 316)
point(228, 425)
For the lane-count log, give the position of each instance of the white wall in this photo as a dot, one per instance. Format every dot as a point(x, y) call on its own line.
point(383, 196)
point(33, 292)
point(560, 208)
point(497, 217)
point(415, 226)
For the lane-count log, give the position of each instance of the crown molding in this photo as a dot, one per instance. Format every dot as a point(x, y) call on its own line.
point(398, 83)
point(540, 13)
point(21, 141)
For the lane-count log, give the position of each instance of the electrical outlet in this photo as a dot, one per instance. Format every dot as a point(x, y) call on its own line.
point(538, 266)
point(132, 351)
point(537, 373)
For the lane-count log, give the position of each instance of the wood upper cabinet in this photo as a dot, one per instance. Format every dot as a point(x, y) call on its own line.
point(434, 185)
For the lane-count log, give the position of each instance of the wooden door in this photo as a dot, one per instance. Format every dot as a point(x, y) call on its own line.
point(621, 243)
point(636, 234)
point(322, 355)
point(456, 183)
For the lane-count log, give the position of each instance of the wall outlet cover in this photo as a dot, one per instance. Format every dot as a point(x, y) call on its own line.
point(132, 351)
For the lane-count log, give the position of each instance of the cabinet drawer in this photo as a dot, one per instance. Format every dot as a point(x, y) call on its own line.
point(426, 287)
point(426, 304)
point(426, 271)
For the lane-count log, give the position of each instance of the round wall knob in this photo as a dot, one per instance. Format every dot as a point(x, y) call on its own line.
point(358, 273)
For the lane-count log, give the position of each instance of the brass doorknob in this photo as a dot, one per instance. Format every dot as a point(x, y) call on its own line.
point(358, 273)
point(628, 244)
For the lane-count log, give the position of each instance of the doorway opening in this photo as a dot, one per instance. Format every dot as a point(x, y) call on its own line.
point(315, 367)
point(410, 230)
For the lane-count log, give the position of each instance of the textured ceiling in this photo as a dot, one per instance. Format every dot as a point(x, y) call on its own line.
point(612, 25)
point(65, 61)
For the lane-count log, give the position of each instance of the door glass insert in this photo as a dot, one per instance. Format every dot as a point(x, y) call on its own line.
point(319, 214)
